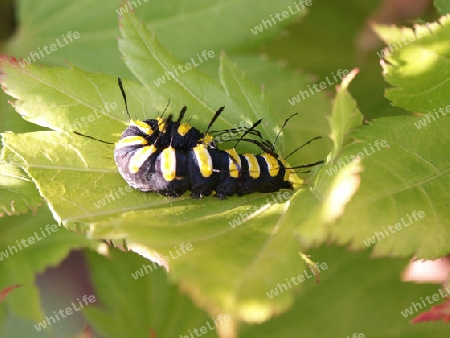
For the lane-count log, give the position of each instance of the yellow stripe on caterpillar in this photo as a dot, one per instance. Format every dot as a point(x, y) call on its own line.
point(140, 157)
point(272, 164)
point(253, 166)
point(130, 141)
point(204, 160)
point(144, 127)
point(168, 163)
point(234, 162)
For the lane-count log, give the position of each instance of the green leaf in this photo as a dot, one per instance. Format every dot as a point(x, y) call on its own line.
point(10, 120)
point(206, 224)
point(67, 99)
point(43, 23)
point(279, 82)
point(442, 6)
point(345, 116)
point(104, 202)
point(332, 192)
point(414, 177)
point(79, 172)
point(417, 63)
point(28, 245)
point(151, 64)
point(262, 225)
point(136, 283)
point(351, 277)
point(69, 160)
point(19, 194)
point(328, 40)
point(405, 176)
point(233, 23)
point(246, 97)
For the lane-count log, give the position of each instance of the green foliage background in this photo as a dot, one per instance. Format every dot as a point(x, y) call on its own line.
point(49, 174)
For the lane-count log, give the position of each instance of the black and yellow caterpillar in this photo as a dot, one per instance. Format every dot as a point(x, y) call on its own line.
point(170, 157)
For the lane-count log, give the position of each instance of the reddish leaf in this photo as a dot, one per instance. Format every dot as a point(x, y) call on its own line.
point(86, 333)
point(437, 312)
point(5, 292)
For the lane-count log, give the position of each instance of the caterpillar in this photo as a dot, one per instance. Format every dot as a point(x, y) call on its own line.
point(171, 157)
